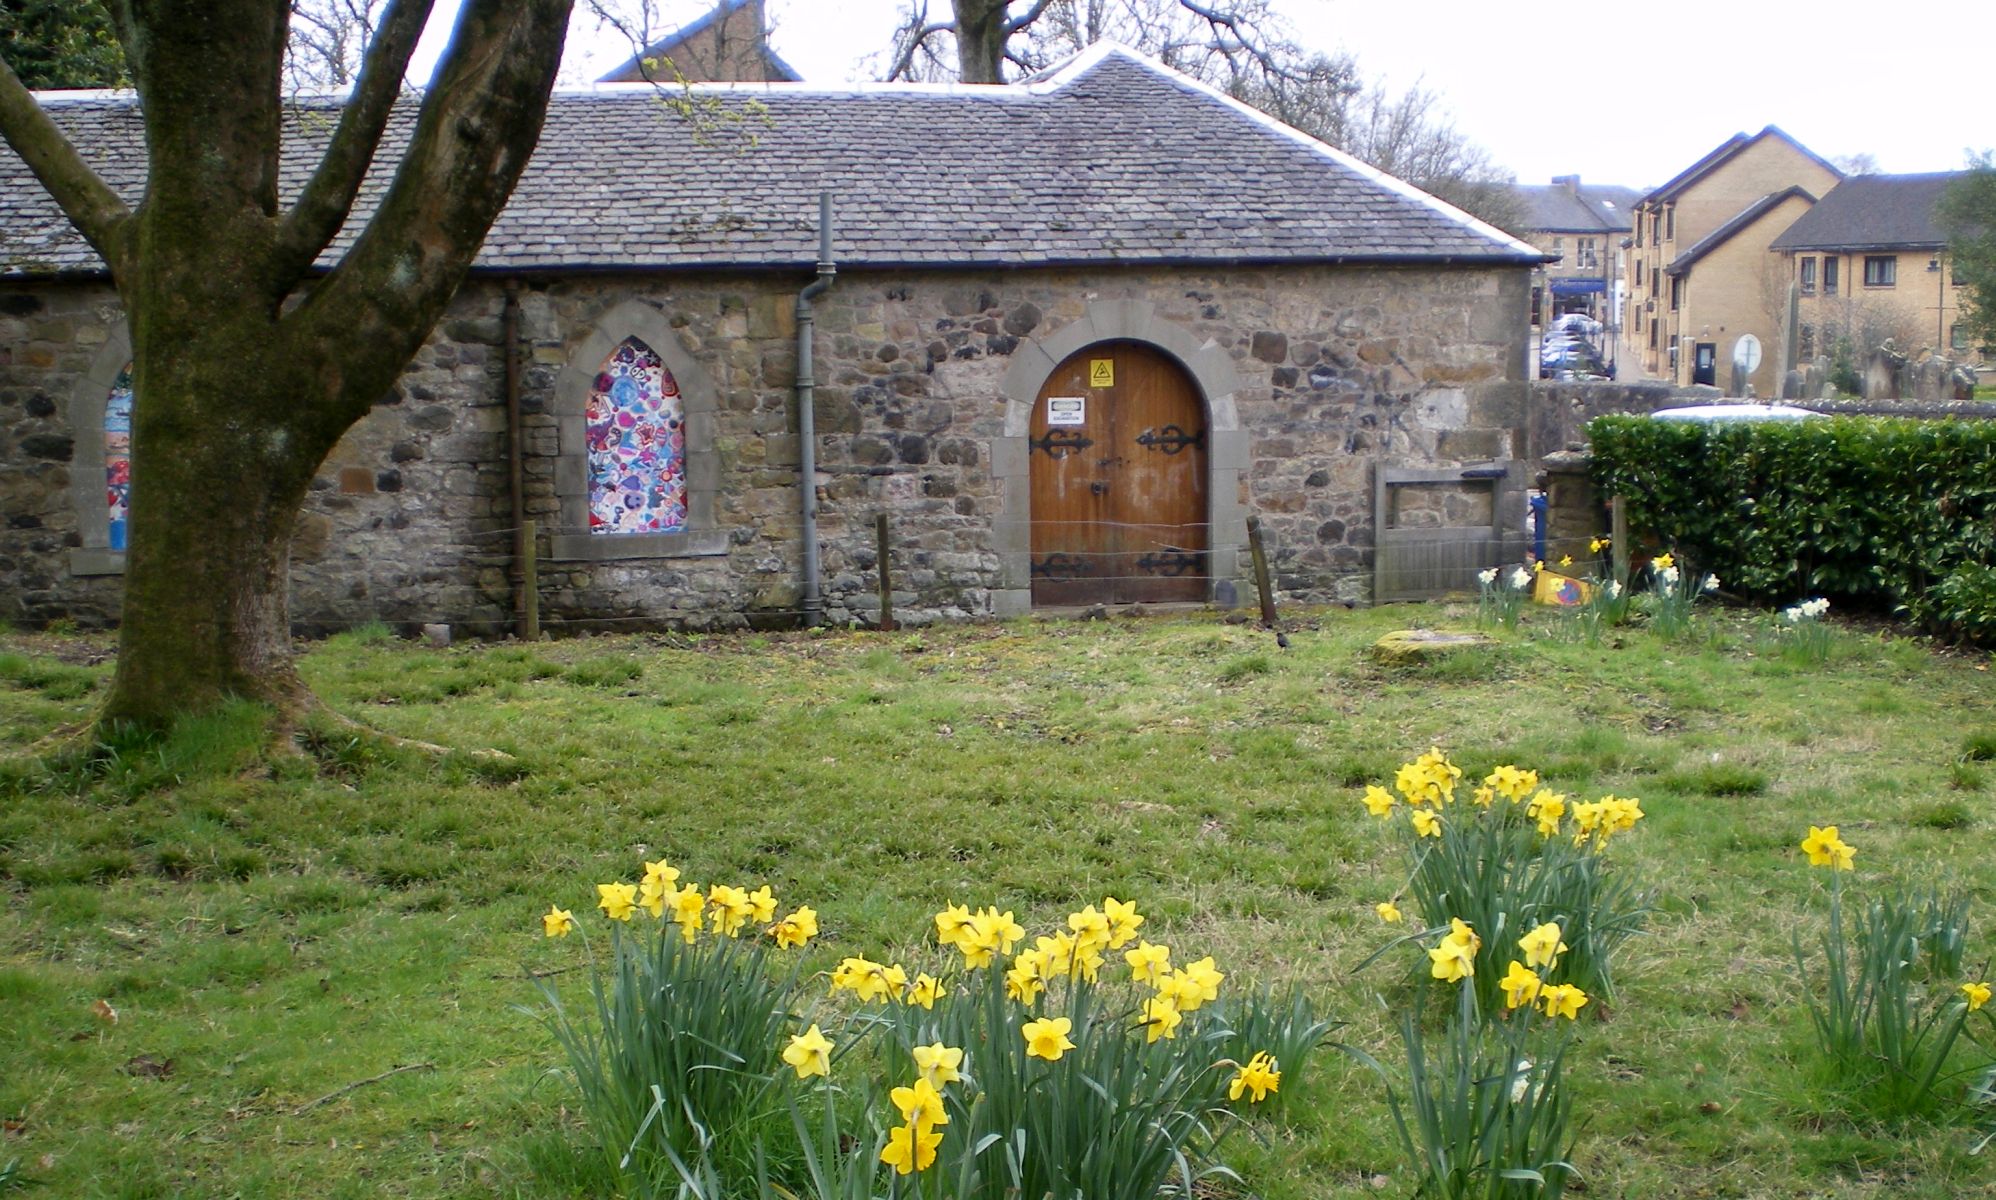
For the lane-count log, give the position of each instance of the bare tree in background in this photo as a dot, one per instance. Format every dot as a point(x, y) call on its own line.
point(329, 40)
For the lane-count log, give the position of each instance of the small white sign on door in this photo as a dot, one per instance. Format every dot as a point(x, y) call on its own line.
point(1067, 410)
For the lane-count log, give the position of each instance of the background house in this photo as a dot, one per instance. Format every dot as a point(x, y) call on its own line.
point(1868, 262)
point(1583, 225)
point(1700, 275)
point(1233, 318)
point(729, 44)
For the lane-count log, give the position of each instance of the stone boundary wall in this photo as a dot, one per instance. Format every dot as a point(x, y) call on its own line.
point(1335, 370)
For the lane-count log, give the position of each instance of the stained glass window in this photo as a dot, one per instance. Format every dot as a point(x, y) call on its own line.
point(118, 458)
point(637, 445)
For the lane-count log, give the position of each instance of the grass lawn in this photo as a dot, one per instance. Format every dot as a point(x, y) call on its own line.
point(271, 933)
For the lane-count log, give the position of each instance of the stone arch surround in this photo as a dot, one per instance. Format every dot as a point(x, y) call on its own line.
point(86, 467)
point(1213, 373)
point(699, 401)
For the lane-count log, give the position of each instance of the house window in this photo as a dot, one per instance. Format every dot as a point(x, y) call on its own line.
point(1670, 222)
point(1639, 231)
point(1583, 249)
point(637, 445)
point(1808, 275)
point(1957, 338)
point(1830, 265)
point(1652, 333)
point(1881, 270)
point(1673, 358)
point(1656, 228)
point(118, 460)
point(1676, 291)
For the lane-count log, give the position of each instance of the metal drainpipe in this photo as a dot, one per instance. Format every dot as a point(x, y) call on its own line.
point(807, 449)
point(516, 486)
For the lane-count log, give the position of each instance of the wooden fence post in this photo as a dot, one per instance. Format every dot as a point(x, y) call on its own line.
point(886, 583)
point(530, 581)
point(1261, 583)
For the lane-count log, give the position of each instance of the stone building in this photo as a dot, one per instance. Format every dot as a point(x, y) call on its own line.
point(1080, 328)
point(1583, 226)
point(730, 43)
point(1700, 275)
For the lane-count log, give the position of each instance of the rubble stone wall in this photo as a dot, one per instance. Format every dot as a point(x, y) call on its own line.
point(1334, 370)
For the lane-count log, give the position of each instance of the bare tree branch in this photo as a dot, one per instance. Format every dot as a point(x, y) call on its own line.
point(322, 207)
point(87, 200)
point(1032, 14)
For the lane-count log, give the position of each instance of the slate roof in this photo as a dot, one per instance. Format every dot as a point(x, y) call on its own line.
point(1723, 153)
point(1724, 233)
point(1594, 208)
point(1115, 159)
point(1873, 212)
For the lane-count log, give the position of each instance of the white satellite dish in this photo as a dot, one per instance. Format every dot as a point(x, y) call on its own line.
point(1746, 354)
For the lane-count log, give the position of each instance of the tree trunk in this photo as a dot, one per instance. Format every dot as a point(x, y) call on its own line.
point(246, 368)
point(980, 40)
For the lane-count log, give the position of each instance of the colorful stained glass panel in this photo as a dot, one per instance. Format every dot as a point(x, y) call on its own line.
point(118, 458)
point(637, 445)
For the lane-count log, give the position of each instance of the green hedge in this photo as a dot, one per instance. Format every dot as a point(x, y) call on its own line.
point(1868, 510)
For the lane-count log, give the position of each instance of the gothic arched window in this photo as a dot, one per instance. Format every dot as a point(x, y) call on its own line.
point(118, 460)
point(636, 429)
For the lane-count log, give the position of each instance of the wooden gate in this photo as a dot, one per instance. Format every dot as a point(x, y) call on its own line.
point(1425, 561)
point(1118, 454)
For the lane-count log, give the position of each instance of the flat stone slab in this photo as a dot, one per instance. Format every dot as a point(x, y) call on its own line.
point(1404, 646)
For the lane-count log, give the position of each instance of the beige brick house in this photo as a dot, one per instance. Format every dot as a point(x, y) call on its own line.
point(1868, 261)
point(1700, 273)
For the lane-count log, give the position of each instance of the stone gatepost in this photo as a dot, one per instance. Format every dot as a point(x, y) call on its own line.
point(1575, 513)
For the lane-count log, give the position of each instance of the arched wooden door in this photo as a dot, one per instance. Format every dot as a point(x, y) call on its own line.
point(1118, 455)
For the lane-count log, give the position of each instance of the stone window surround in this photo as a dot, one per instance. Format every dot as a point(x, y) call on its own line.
point(699, 401)
point(1214, 375)
point(86, 463)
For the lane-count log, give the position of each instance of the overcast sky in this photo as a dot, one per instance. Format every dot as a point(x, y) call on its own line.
point(1552, 89)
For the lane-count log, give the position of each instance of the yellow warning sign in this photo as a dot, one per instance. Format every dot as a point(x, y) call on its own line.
point(1101, 372)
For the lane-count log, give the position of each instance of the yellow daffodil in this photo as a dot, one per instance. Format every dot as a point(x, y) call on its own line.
point(1388, 911)
point(1378, 801)
point(688, 909)
point(920, 1103)
point(1023, 981)
point(796, 929)
point(1160, 1019)
point(557, 922)
point(1426, 823)
point(989, 934)
point(1148, 963)
point(1460, 931)
point(1090, 926)
point(1521, 985)
point(1826, 849)
point(1259, 1077)
point(1124, 921)
point(1547, 808)
point(732, 908)
point(927, 990)
point(1597, 545)
point(1565, 560)
point(1542, 946)
point(1562, 1000)
point(809, 1053)
point(939, 1064)
point(1976, 993)
point(1047, 1037)
point(1511, 783)
point(661, 875)
point(1055, 954)
point(910, 1149)
point(1455, 959)
point(951, 923)
point(1483, 796)
point(762, 905)
point(652, 896)
point(1663, 562)
point(617, 900)
point(1196, 984)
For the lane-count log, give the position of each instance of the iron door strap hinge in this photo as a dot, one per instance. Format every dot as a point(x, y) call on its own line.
point(1059, 568)
point(1172, 562)
point(1171, 439)
point(1059, 443)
